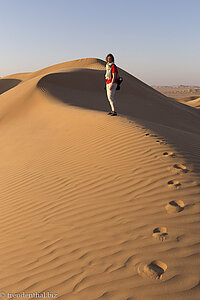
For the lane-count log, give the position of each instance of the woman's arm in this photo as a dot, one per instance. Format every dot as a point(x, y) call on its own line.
point(114, 76)
point(113, 79)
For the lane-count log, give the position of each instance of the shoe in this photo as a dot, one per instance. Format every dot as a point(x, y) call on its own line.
point(109, 113)
point(114, 113)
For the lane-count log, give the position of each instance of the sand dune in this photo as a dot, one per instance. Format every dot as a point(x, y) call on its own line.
point(194, 102)
point(94, 206)
point(191, 101)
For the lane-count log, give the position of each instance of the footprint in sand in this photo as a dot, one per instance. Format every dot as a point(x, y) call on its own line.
point(174, 184)
point(180, 168)
point(154, 270)
point(153, 135)
point(160, 233)
point(171, 154)
point(174, 206)
point(178, 238)
point(163, 142)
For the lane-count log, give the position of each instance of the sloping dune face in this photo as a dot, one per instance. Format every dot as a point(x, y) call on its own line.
point(95, 206)
point(136, 99)
point(7, 84)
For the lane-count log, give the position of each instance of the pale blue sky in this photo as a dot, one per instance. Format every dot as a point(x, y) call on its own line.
point(155, 40)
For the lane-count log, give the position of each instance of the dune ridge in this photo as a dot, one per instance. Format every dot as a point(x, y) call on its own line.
point(94, 206)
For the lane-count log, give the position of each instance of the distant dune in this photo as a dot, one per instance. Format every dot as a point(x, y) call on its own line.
point(195, 103)
point(192, 101)
point(179, 91)
point(95, 206)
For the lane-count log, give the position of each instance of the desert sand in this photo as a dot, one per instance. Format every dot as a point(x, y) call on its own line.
point(192, 101)
point(95, 206)
point(189, 95)
point(179, 91)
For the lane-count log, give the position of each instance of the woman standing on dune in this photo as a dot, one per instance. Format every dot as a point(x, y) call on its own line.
point(111, 82)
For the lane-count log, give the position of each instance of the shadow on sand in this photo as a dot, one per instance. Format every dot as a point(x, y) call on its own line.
point(7, 84)
point(176, 123)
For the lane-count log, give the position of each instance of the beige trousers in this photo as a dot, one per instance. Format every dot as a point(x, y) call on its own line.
point(111, 94)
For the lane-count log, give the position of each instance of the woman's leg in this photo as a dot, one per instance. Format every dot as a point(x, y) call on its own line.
point(108, 94)
point(111, 95)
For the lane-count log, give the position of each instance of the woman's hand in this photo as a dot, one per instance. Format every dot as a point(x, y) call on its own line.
point(111, 86)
